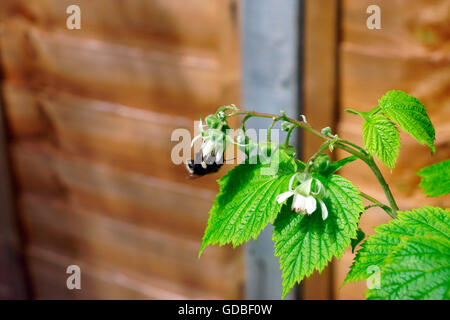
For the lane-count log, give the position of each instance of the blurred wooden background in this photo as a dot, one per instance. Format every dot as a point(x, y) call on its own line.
point(412, 53)
point(346, 65)
point(89, 115)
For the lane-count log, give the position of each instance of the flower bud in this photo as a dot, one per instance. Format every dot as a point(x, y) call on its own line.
point(326, 131)
point(286, 126)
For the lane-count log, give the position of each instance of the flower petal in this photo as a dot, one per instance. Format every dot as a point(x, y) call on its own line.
point(207, 148)
point(283, 196)
point(324, 209)
point(298, 204)
point(219, 155)
point(195, 139)
point(310, 204)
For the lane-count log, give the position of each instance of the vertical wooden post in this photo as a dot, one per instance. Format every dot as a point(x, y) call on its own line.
point(320, 61)
point(270, 41)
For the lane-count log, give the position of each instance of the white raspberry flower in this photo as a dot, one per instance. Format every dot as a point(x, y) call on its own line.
point(306, 195)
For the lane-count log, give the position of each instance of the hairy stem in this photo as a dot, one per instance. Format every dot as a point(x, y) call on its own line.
point(288, 136)
point(377, 203)
point(376, 171)
point(248, 116)
point(269, 130)
point(340, 143)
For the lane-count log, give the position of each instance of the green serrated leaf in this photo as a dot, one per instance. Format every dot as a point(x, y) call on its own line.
point(418, 269)
point(360, 235)
point(336, 165)
point(436, 179)
point(430, 221)
point(381, 138)
point(306, 243)
point(246, 202)
point(410, 114)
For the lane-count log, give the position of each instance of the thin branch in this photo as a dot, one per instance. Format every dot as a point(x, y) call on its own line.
point(341, 144)
point(377, 203)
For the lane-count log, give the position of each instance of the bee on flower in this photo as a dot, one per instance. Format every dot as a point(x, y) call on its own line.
point(214, 142)
point(307, 195)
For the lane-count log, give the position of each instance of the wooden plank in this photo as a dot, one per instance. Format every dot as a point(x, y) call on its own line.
point(319, 100)
point(53, 212)
point(130, 139)
point(319, 68)
point(192, 23)
point(7, 7)
point(88, 236)
point(229, 52)
point(164, 80)
point(34, 170)
point(91, 113)
point(24, 117)
point(123, 195)
point(412, 28)
point(396, 57)
point(48, 275)
point(364, 79)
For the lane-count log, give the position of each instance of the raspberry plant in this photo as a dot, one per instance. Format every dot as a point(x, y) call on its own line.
point(316, 212)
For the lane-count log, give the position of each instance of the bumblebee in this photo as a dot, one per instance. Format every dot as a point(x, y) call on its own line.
point(200, 166)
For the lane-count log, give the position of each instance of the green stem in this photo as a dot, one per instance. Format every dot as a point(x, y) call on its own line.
point(269, 131)
point(248, 116)
point(340, 143)
point(374, 111)
point(368, 197)
point(288, 136)
point(373, 205)
point(373, 166)
point(377, 203)
point(355, 146)
point(301, 124)
point(352, 111)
